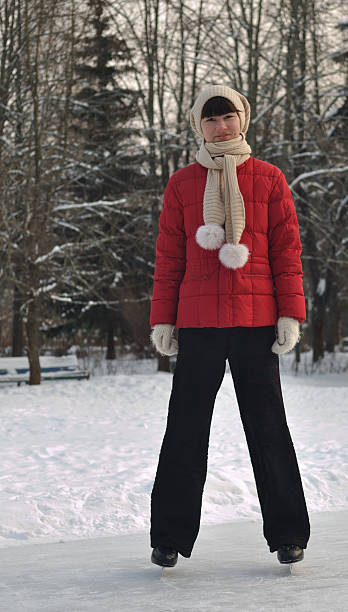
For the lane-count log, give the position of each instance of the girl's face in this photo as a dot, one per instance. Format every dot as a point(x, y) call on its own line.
point(220, 127)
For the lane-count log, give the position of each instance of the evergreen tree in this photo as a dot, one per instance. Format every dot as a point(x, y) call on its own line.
point(107, 163)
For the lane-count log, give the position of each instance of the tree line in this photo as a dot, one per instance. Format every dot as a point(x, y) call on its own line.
point(94, 105)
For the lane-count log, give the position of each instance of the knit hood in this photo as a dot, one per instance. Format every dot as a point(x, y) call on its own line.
point(237, 99)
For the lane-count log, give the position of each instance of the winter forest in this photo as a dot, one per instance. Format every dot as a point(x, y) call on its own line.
point(94, 104)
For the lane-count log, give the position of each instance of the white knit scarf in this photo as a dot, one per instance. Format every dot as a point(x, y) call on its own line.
point(223, 202)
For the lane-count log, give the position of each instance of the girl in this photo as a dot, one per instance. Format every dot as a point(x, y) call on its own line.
point(228, 276)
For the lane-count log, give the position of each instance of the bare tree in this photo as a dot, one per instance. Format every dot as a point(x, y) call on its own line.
point(33, 160)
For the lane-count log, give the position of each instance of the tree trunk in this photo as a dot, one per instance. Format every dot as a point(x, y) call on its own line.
point(17, 325)
point(333, 327)
point(333, 316)
point(110, 351)
point(33, 342)
point(163, 363)
point(318, 317)
point(297, 355)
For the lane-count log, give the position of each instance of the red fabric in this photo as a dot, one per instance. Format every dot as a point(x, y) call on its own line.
point(193, 289)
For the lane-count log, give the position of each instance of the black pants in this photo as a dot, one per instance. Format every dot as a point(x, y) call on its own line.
point(177, 493)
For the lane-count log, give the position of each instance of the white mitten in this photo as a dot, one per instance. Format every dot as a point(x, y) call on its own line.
point(288, 335)
point(163, 340)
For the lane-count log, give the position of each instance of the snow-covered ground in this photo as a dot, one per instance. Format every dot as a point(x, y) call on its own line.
point(78, 460)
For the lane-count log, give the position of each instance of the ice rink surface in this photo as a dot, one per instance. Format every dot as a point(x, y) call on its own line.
point(230, 570)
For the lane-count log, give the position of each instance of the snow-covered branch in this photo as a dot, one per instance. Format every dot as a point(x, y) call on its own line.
point(319, 172)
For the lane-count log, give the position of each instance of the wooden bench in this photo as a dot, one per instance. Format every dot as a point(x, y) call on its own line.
point(16, 369)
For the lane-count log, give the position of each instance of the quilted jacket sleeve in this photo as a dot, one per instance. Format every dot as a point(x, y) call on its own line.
point(170, 259)
point(284, 252)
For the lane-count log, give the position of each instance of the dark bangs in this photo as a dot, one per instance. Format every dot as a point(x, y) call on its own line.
point(218, 106)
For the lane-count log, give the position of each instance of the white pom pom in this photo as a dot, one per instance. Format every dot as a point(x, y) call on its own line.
point(234, 255)
point(210, 236)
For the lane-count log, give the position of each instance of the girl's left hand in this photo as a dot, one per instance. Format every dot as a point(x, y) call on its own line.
point(288, 334)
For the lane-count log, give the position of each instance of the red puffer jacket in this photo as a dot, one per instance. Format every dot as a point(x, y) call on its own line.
point(193, 289)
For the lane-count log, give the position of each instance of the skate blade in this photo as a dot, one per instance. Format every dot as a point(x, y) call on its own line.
point(295, 569)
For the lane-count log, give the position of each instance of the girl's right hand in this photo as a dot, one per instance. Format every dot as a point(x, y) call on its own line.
point(163, 340)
